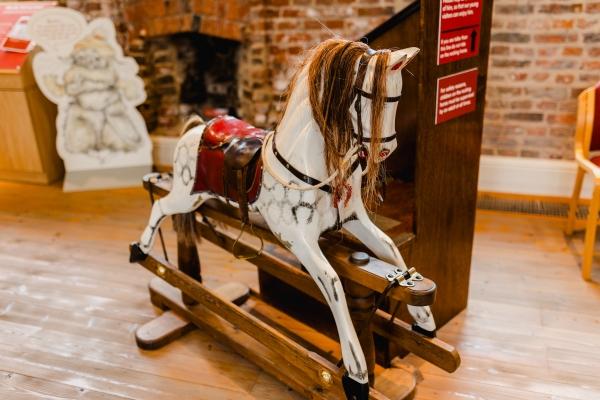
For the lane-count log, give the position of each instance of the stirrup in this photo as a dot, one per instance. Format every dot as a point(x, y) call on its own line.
point(247, 257)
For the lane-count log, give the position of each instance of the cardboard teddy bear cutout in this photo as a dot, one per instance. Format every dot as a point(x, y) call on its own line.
point(101, 136)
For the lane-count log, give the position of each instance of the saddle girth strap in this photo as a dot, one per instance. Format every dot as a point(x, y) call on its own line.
point(241, 175)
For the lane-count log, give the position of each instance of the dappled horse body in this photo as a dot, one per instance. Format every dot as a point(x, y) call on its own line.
point(341, 106)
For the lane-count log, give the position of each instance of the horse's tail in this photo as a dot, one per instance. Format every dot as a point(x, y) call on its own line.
point(185, 224)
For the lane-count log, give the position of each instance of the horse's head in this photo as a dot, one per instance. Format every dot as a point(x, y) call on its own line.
point(378, 87)
point(353, 92)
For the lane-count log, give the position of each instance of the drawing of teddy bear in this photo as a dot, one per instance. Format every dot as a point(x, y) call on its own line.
point(97, 118)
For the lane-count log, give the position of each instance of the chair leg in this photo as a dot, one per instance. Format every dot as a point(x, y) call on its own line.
point(575, 200)
point(590, 235)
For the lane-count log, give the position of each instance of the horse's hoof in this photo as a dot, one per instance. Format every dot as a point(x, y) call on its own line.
point(423, 331)
point(136, 254)
point(355, 390)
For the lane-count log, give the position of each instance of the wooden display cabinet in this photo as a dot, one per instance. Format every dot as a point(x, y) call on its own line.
point(27, 129)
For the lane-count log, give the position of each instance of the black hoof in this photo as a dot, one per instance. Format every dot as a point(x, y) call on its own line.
point(135, 253)
point(355, 390)
point(424, 332)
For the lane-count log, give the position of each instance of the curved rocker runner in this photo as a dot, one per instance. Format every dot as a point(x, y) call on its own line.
point(313, 176)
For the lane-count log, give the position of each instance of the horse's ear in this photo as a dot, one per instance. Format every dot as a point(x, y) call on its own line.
point(399, 58)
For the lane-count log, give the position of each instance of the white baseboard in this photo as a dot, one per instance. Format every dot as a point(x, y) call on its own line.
point(530, 176)
point(515, 175)
point(111, 178)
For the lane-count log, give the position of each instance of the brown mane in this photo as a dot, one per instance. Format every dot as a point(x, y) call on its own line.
point(331, 76)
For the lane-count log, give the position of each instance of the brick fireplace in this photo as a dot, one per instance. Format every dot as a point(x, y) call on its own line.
point(186, 73)
point(258, 42)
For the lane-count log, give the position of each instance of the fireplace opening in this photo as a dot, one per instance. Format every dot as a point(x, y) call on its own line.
point(185, 74)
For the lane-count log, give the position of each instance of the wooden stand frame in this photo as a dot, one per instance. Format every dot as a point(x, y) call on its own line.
point(304, 359)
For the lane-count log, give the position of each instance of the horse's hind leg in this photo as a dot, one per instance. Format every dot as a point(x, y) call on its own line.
point(179, 200)
point(149, 234)
point(173, 203)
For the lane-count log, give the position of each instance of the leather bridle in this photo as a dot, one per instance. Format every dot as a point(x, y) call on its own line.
point(360, 93)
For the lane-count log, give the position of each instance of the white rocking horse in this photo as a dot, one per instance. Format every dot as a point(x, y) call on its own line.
point(340, 110)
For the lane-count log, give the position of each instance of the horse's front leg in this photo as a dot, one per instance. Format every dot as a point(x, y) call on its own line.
point(309, 254)
point(384, 248)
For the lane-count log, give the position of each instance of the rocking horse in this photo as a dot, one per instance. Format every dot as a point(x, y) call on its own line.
point(310, 177)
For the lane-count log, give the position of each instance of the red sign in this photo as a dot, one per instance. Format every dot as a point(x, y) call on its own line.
point(460, 22)
point(456, 95)
point(10, 14)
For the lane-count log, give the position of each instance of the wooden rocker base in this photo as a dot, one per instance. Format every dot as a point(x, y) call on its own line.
point(173, 324)
point(396, 383)
point(298, 348)
point(161, 331)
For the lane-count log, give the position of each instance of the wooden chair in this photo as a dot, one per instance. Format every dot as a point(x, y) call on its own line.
point(587, 143)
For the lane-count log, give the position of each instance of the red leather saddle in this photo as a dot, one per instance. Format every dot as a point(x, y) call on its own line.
point(221, 130)
point(229, 162)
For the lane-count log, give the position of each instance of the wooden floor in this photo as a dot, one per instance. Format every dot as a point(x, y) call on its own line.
point(70, 302)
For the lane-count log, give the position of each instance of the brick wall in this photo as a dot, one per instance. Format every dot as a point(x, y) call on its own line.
point(220, 18)
point(278, 34)
point(113, 9)
point(542, 54)
point(274, 34)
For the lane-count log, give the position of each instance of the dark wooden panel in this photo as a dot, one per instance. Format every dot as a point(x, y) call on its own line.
point(446, 172)
point(442, 159)
point(402, 31)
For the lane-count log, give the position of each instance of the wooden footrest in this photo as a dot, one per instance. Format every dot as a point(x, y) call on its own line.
point(171, 325)
point(162, 330)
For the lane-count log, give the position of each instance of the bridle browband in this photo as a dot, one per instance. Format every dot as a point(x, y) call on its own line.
point(360, 77)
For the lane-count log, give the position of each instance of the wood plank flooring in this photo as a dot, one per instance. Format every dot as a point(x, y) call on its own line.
point(70, 302)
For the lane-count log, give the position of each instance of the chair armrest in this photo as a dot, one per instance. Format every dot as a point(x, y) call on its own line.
point(588, 165)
